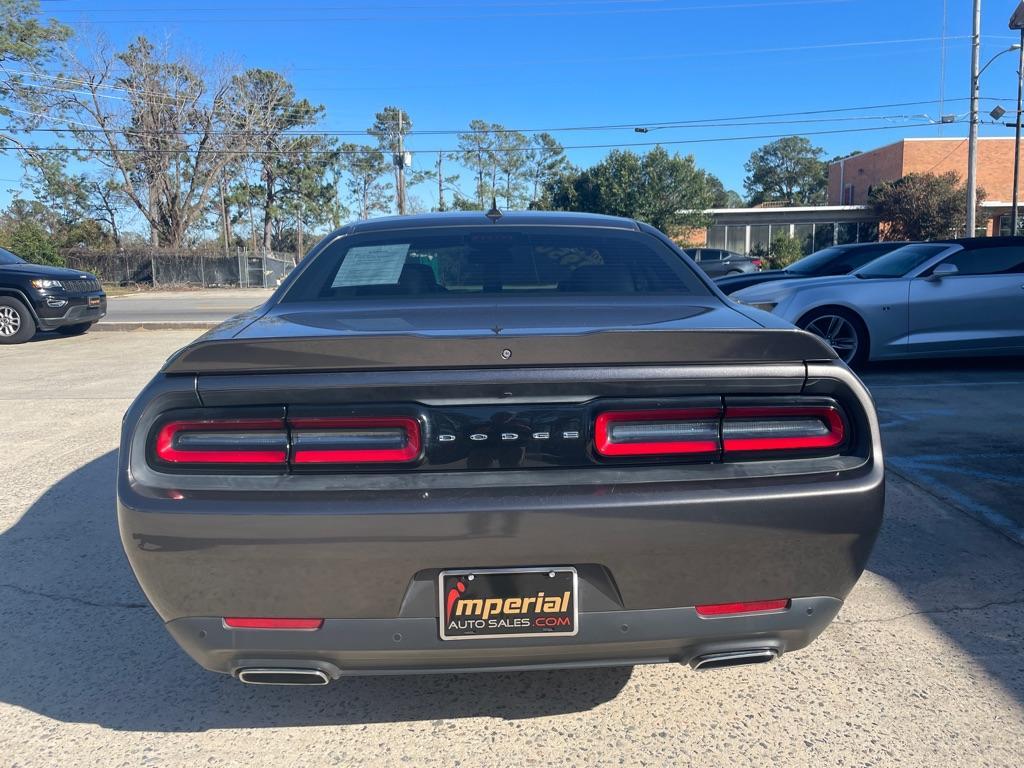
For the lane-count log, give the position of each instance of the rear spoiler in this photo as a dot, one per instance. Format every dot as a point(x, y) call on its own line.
point(416, 352)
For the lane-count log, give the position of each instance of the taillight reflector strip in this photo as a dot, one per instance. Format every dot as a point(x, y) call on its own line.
point(355, 440)
point(238, 622)
point(734, 609)
point(657, 432)
point(781, 428)
point(223, 441)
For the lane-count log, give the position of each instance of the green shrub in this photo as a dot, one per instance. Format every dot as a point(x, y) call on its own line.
point(782, 252)
point(29, 241)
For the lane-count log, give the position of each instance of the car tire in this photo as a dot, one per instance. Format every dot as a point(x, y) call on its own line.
point(16, 323)
point(74, 330)
point(842, 330)
point(732, 272)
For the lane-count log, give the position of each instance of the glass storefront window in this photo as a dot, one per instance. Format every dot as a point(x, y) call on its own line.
point(716, 236)
point(736, 238)
point(805, 234)
point(778, 229)
point(759, 238)
point(823, 236)
point(846, 232)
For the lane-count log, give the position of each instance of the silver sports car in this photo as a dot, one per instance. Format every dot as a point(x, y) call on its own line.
point(938, 299)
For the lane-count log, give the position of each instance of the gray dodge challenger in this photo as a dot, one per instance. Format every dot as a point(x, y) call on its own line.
point(471, 441)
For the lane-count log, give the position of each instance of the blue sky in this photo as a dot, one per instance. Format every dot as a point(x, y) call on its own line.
point(552, 64)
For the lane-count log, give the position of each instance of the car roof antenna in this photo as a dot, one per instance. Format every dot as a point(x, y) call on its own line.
point(494, 214)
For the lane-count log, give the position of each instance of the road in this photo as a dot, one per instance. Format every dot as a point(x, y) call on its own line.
point(922, 667)
point(183, 309)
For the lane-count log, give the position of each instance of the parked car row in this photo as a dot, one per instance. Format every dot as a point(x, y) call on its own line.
point(945, 298)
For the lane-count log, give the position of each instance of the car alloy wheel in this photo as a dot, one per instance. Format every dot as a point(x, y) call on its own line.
point(10, 321)
point(839, 333)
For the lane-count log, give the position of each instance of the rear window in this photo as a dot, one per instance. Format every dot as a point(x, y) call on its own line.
point(901, 261)
point(496, 261)
point(838, 260)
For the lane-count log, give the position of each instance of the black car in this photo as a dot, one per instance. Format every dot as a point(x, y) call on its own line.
point(452, 444)
point(836, 260)
point(37, 297)
point(717, 262)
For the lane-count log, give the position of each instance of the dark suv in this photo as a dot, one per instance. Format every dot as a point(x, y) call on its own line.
point(34, 296)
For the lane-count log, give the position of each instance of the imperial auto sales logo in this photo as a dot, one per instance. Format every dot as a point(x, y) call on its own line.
point(467, 614)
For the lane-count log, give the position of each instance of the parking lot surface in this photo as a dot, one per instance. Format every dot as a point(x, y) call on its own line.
point(922, 667)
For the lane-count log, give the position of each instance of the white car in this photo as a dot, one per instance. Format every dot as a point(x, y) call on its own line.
point(938, 299)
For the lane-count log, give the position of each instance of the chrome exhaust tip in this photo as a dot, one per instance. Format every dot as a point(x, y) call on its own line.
point(734, 658)
point(271, 676)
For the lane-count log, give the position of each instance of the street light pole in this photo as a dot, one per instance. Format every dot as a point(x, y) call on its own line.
point(1017, 22)
point(972, 142)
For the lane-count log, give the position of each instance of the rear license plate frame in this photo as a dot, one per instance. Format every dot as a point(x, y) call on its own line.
point(519, 583)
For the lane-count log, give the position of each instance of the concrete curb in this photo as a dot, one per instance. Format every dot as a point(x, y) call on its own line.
point(157, 325)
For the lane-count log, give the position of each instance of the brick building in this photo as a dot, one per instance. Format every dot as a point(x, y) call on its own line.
point(847, 218)
point(850, 180)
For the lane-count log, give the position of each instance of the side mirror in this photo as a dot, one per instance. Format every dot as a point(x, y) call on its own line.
point(943, 270)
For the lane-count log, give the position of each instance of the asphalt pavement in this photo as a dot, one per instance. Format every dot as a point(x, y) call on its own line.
point(191, 310)
point(923, 666)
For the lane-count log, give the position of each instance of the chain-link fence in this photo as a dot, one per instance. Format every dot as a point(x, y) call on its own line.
point(157, 267)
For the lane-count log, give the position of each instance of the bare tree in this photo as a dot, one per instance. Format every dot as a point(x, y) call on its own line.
point(157, 123)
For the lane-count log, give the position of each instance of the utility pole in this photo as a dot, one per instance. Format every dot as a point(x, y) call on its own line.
point(440, 183)
point(972, 142)
point(224, 213)
point(1017, 22)
point(400, 164)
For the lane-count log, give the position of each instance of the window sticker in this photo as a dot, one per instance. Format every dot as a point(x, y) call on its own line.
point(371, 265)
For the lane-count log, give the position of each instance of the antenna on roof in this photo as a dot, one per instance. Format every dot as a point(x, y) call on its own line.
point(494, 214)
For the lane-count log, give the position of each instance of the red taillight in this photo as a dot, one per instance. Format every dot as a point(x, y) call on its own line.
point(781, 428)
point(657, 432)
point(355, 440)
point(236, 622)
point(223, 441)
point(732, 609)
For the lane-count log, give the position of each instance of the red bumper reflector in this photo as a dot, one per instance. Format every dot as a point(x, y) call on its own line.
point(356, 440)
point(657, 432)
point(236, 622)
point(223, 441)
point(731, 609)
point(781, 428)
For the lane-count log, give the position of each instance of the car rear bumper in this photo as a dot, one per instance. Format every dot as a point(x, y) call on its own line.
point(412, 646)
point(373, 576)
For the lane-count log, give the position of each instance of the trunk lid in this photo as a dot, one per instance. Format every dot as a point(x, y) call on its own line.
point(470, 333)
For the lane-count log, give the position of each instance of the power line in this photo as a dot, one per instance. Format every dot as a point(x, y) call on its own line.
point(674, 142)
point(326, 134)
point(802, 116)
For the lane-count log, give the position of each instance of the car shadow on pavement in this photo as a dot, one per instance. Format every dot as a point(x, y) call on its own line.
point(79, 643)
point(959, 575)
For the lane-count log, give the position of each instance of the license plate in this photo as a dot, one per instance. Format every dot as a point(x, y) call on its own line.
point(94, 301)
point(519, 602)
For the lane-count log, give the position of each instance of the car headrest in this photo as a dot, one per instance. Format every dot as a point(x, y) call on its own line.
point(600, 278)
point(418, 278)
